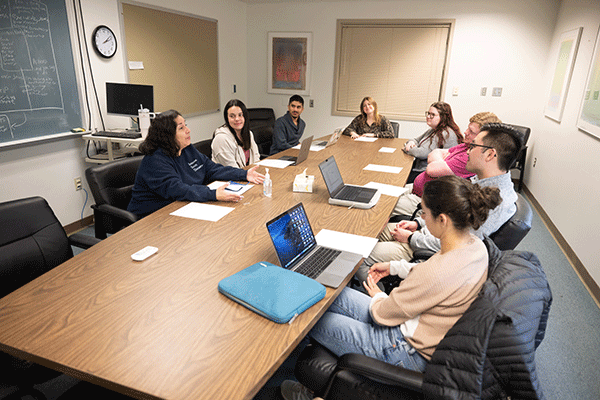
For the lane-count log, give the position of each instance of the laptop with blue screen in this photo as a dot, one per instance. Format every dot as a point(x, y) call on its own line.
point(297, 249)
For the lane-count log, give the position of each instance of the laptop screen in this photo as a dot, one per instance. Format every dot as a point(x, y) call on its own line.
point(331, 175)
point(292, 235)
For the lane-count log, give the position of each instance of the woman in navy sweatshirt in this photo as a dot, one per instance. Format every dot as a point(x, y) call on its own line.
point(172, 169)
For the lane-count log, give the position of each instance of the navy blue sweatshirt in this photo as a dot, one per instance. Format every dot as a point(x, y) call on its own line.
point(162, 179)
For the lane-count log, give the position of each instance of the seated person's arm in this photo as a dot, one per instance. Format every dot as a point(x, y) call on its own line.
point(222, 152)
point(438, 168)
point(387, 131)
point(164, 180)
point(279, 137)
point(351, 130)
point(423, 239)
point(437, 155)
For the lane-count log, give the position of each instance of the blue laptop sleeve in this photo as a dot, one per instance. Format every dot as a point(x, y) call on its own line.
point(271, 291)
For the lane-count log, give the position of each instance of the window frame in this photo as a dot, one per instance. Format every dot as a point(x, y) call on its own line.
point(387, 23)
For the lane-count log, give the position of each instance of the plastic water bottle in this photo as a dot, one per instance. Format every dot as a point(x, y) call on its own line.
point(268, 185)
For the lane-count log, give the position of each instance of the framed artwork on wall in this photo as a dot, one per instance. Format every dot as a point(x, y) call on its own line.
point(567, 51)
point(589, 114)
point(289, 62)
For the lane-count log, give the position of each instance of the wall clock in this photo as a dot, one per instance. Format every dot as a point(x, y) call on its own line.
point(104, 41)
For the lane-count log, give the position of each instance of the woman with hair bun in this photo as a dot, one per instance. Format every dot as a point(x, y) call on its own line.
point(405, 327)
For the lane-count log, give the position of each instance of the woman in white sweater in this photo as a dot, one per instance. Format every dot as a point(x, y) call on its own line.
point(233, 143)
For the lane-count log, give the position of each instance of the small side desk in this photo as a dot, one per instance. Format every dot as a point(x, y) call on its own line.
point(130, 145)
point(159, 329)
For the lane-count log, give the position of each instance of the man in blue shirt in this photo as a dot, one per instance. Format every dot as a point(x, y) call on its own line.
point(289, 129)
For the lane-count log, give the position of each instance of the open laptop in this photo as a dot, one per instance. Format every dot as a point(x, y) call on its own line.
point(346, 195)
point(332, 139)
point(303, 155)
point(297, 249)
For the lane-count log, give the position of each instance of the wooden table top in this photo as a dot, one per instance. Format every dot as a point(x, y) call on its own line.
point(159, 328)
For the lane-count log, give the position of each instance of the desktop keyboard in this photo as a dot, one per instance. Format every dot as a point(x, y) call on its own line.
point(317, 262)
point(118, 134)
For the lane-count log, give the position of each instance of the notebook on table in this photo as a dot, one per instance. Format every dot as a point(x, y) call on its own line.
point(303, 155)
point(335, 136)
point(346, 195)
point(297, 249)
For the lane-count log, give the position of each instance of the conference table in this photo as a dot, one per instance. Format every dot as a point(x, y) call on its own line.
point(159, 328)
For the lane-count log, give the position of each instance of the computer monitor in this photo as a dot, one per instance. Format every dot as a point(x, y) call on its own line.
point(126, 98)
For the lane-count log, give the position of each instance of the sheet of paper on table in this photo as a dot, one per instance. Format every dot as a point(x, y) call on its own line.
point(205, 212)
point(383, 168)
point(346, 241)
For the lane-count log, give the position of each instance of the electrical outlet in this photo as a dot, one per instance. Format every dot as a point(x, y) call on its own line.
point(534, 161)
point(311, 103)
point(497, 92)
point(455, 91)
point(77, 183)
point(483, 91)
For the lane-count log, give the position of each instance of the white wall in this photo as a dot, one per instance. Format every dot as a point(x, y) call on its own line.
point(566, 178)
point(48, 169)
point(501, 44)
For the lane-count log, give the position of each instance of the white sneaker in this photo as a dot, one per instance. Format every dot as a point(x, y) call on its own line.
point(292, 390)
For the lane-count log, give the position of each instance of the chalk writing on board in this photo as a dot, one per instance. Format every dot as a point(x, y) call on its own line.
point(32, 97)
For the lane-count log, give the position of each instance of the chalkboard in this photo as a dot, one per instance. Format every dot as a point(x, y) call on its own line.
point(38, 88)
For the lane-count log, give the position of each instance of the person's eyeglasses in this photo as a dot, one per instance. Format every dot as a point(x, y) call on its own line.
point(473, 145)
point(429, 115)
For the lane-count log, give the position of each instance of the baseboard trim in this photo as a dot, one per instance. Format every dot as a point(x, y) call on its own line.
point(575, 262)
point(79, 225)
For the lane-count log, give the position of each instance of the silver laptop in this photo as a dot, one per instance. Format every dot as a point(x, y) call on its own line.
point(298, 251)
point(335, 136)
point(346, 195)
point(303, 155)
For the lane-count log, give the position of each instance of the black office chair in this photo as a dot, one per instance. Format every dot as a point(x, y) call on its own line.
point(262, 122)
point(520, 161)
point(204, 147)
point(32, 242)
point(503, 327)
point(111, 185)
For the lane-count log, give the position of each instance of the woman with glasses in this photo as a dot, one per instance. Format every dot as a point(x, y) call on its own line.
point(369, 123)
point(443, 133)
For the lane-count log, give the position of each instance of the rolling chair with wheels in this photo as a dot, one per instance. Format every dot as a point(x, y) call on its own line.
point(111, 185)
point(32, 242)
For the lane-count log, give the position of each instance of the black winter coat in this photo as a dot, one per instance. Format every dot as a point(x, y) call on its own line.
point(490, 352)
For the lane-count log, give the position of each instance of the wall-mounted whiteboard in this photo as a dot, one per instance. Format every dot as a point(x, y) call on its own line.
point(38, 86)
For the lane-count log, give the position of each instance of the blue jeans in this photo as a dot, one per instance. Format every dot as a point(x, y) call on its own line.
point(347, 327)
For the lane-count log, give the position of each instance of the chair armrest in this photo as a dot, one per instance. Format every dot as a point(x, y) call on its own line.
point(113, 211)
point(381, 371)
point(82, 241)
point(422, 255)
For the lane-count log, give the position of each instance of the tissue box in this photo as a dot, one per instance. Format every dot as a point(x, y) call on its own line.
point(304, 183)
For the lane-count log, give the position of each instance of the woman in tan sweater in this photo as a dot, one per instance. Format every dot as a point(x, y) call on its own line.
point(405, 327)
